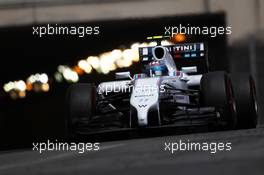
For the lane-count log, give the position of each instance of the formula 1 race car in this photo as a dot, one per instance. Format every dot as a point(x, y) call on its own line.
point(175, 88)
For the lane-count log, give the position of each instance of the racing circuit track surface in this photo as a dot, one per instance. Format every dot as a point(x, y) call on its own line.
point(147, 156)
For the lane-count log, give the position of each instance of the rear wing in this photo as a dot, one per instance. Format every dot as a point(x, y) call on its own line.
point(184, 55)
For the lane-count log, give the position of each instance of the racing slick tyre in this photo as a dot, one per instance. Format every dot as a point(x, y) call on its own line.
point(217, 91)
point(133, 117)
point(81, 104)
point(246, 102)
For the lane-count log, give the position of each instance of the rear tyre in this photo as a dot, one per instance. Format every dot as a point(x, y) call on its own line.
point(81, 104)
point(246, 102)
point(217, 91)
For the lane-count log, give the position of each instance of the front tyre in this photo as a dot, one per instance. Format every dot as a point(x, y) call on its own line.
point(217, 91)
point(80, 105)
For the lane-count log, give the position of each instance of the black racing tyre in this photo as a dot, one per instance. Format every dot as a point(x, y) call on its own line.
point(216, 91)
point(81, 104)
point(133, 119)
point(246, 102)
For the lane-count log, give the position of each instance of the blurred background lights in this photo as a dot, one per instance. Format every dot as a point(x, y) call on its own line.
point(153, 43)
point(42, 78)
point(9, 86)
point(85, 66)
point(78, 70)
point(58, 77)
point(21, 94)
point(104, 63)
point(166, 43)
point(16, 89)
point(66, 73)
point(45, 87)
point(177, 38)
point(116, 54)
point(128, 54)
point(16, 85)
point(70, 75)
point(20, 85)
point(143, 44)
point(93, 61)
point(135, 46)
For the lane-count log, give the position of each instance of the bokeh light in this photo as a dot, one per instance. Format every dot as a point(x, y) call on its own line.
point(103, 63)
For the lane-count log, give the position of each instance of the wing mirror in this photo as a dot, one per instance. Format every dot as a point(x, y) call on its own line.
point(123, 75)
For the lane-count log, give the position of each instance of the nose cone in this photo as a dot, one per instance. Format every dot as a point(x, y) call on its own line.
point(142, 120)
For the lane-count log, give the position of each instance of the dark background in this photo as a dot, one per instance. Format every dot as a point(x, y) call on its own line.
point(41, 116)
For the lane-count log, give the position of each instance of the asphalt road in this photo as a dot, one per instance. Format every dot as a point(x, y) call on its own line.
point(147, 156)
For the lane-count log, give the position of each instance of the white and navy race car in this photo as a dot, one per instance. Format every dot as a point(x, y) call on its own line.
point(175, 88)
